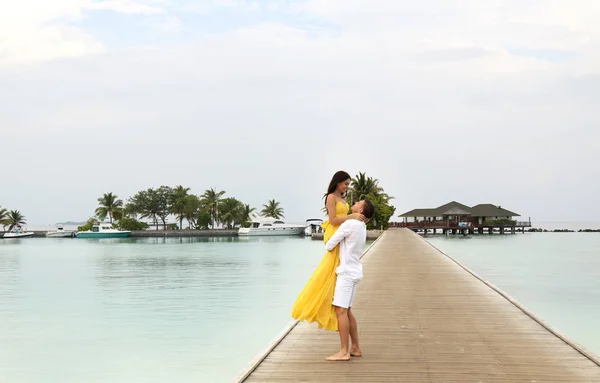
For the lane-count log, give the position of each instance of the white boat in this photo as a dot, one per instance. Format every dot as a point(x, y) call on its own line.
point(270, 226)
point(60, 232)
point(103, 230)
point(17, 233)
point(313, 226)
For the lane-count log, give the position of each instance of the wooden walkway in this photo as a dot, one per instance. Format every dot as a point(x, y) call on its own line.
point(423, 318)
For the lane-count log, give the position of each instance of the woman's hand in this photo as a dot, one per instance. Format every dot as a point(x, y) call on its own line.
point(358, 216)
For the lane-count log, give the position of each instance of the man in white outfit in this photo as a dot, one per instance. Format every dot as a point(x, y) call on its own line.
point(351, 236)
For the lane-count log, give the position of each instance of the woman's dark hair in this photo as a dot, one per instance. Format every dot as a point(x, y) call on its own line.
point(339, 176)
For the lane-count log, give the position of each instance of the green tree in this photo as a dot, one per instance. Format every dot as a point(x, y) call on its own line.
point(247, 215)
point(131, 210)
point(383, 211)
point(203, 219)
point(231, 212)
point(128, 223)
point(164, 194)
point(142, 203)
point(110, 205)
point(361, 186)
point(210, 201)
point(14, 219)
point(191, 209)
point(3, 216)
point(152, 203)
point(178, 203)
point(272, 209)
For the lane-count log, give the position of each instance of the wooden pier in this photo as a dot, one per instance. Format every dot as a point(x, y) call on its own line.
point(424, 318)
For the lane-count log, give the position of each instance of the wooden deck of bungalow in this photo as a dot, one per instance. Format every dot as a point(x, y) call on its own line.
point(445, 227)
point(424, 318)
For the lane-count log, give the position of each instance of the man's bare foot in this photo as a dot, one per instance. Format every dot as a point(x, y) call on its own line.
point(338, 356)
point(356, 352)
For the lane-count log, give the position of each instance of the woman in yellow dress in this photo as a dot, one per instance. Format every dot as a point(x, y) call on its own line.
point(314, 303)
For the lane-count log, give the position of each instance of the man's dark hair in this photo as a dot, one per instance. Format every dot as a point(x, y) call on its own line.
point(368, 208)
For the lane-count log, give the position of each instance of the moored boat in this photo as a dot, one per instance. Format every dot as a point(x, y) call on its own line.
point(313, 225)
point(270, 226)
point(60, 232)
point(103, 230)
point(17, 232)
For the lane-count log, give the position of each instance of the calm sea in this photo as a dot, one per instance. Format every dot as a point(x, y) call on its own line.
point(198, 309)
point(145, 310)
point(555, 275)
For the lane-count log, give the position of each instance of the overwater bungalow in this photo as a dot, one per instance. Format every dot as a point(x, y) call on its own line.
point(455, 217)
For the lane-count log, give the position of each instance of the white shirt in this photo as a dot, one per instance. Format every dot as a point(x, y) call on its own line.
point(351, 235)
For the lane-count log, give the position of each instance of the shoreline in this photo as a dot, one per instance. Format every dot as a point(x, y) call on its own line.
point(184, 233)
point(539, 230)
point(161, 233)
point(371, 234)
point(497, 232)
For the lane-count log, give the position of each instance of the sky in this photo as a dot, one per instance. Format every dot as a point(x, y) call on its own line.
point(440, 100)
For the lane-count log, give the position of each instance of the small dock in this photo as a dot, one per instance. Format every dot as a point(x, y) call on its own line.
point(424, 318)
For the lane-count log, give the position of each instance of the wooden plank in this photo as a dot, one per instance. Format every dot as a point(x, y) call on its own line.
point(424, 318)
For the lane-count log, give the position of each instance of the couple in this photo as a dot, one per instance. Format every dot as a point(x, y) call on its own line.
point(328, 295)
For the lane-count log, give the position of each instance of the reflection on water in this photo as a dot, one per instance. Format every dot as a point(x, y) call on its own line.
point(145, 309)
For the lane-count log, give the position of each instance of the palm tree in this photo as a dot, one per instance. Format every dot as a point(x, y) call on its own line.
point(190, 210)
point(231, 211)
point(3, 216)
point(247, 213)
point(178, 202)
point(210, 201)
point(109, 205)
point(14, 218)
point(361, 186)
point(272, 209)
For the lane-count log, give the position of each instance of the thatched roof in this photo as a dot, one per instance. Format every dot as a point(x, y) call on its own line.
point(453, 208)
point(420, 213)
point(456, 208)
point(489, 210)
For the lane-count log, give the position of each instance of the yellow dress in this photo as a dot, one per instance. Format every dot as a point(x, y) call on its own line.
point(314, 304)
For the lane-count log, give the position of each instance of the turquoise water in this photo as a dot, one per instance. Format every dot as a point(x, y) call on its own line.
point(555, 275)
point(198, 309)
point(145, 310)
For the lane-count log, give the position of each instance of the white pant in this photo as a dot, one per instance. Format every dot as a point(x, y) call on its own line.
point(345, 290)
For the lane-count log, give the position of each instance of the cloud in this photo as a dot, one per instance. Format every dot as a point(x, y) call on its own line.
point(439, 100)
point(548, 54)
point(167, 25)
point(533, 24)
point(208, 6)
point(30, 34)
point(37, 31)
point(125, 6)
point(456, 54)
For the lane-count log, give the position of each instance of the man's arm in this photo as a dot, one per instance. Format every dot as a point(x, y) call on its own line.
point(342, 232)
